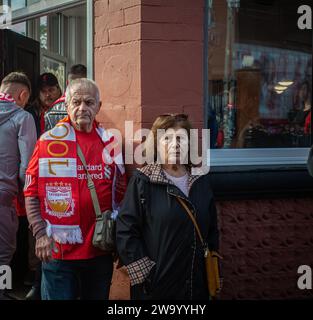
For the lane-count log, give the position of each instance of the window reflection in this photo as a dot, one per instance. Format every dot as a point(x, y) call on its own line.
point(260, 75)
point(18, 4)
point(56, 67)
point(19, 28)
point(43, 35)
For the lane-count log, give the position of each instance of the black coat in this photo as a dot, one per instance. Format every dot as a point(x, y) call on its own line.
point(153, 223)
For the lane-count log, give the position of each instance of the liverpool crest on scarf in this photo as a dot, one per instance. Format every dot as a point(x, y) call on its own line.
point(58, 182)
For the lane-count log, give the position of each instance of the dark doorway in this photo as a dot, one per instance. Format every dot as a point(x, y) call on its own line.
point(19, 53)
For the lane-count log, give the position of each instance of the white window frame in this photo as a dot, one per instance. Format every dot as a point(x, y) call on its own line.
point(42, 8)
point(258, 157)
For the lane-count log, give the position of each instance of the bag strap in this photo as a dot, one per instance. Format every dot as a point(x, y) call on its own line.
point(90, 184)
point(204, 244)
point(191, 216)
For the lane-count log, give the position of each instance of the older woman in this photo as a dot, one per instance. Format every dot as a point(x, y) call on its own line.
point(156, 238)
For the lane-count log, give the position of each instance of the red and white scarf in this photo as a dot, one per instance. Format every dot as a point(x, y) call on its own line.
point(6, 97)
point(58, 182)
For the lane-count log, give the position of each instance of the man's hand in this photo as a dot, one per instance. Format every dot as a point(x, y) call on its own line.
point(44, 248)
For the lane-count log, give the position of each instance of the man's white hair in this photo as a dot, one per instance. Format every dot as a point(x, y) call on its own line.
point(84, 83)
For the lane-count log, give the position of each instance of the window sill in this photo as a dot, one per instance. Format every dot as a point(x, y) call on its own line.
point(260, 173)
point(270, 156)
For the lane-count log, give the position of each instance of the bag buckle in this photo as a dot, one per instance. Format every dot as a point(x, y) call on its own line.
point(206, 250)
point(90, 185)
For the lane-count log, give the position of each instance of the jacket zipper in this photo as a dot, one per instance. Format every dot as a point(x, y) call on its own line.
point(194, 244)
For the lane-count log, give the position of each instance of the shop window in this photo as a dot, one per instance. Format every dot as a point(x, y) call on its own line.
point(259, 77)
point(43, 32)
point(54, 33)
point(60, 26)
point(62, 37)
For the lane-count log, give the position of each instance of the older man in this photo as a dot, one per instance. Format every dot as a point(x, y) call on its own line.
point(18, 138)
point(58, 202)
point(52, 116)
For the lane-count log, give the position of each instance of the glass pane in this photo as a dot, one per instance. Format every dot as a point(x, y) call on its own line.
point(19, 28)
point(44, 32)
point(18, 4)
point(54, 33)
point(260, 75)
point(56, 67)
point(37, 5)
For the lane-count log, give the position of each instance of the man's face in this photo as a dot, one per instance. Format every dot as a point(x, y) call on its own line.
point(48, 95)
point(83, 108)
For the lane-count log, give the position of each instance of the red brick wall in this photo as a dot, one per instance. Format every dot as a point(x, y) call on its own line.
point(171, 61)
point(148, 59)
point(117, 43)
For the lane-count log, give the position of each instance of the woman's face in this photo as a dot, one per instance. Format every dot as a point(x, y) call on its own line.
point(173, 146)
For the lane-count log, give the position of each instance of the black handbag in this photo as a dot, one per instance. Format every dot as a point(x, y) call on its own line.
point(104, 234)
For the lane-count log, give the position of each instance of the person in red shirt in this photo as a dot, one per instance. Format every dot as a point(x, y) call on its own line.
point(49, 88)
point(58, 202)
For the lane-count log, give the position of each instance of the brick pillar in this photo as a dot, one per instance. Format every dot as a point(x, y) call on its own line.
point(117, 45)
point(172, 59)
point(148, 61)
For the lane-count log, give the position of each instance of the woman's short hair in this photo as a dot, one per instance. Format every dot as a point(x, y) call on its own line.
point(165, 121)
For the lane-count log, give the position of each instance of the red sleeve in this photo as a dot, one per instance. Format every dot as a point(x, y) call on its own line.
point(31, 179)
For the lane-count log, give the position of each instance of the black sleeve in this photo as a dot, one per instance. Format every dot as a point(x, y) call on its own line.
point(31, 109)
point(129, 224)
point(213, 235)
